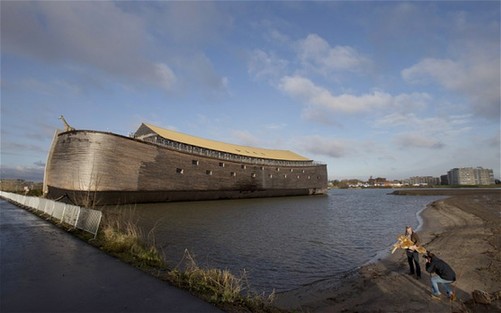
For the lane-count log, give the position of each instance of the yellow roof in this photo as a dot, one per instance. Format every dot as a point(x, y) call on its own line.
point(285, 155)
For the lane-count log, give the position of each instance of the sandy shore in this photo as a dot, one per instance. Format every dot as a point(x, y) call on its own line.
point(464, 230)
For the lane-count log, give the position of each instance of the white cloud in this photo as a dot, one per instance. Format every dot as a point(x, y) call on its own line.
point(93, 33)
point(166, 77)
point(475, 77)
point(411, 120)
point(267, 66)
point(37, 86)
point(185, 24)
point(417, 140)
point(197, 67)
point(30, 173)
point(15, 148)
point(245, 138)
point(96, 34)
point(278, 36)
point(319, 97)
point(53, 87)
point(395, 119)
point(304, 89)
point(315, 53)
point(324, 146)
point(275, 126)
point(409, 131)
point(446, 72)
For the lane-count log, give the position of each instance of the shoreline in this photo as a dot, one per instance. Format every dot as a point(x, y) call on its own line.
point(462, 229)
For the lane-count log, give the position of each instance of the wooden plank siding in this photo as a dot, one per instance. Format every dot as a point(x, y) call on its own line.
point(122, 169)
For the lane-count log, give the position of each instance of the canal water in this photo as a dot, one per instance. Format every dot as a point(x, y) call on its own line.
point(283, 243)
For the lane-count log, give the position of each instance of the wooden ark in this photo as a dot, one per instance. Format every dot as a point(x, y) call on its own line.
point(88, 167)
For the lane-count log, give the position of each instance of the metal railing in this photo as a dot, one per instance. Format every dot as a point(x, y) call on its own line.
point(78, 217)
point(223, 155)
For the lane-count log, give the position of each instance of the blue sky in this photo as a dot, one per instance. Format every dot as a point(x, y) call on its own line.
point(384, 89)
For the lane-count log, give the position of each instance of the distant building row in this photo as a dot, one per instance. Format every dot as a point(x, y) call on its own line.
point(422, 181)
point(468, 176)
point(456, 176)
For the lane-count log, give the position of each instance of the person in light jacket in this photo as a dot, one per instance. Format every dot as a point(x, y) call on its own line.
point(444, 274)
point(412, 254)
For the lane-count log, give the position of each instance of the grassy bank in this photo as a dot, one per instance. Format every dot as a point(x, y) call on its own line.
point(229, 292)
point(125, 240)
point(120, 236)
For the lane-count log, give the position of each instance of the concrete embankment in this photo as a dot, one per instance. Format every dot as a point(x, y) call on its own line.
point(43, 269)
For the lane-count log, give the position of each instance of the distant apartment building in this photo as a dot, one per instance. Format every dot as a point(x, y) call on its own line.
point(423, 181)
point(444, 180)
point(470, 176)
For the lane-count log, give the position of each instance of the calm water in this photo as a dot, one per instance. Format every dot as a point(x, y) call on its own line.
point(283, 243)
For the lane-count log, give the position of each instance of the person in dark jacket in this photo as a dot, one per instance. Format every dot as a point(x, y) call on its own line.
point(412, 254)
point(445, 275)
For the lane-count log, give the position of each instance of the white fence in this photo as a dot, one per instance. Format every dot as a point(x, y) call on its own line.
point(78, 217)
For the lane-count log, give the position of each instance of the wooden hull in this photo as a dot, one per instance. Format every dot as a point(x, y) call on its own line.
point(90, 167)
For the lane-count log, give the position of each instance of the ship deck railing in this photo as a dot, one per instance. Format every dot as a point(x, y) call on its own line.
point(225, 155)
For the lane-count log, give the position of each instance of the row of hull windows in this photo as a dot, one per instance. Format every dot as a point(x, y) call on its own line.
point(243, 166)
point(253, 175)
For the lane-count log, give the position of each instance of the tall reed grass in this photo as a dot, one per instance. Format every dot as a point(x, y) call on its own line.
point(120, 235)
point(220, 287)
